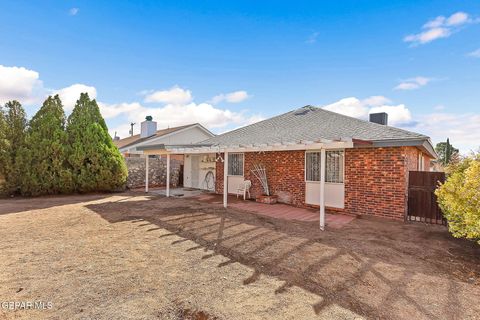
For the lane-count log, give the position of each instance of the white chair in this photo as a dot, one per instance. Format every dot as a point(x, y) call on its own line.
point(244, 188)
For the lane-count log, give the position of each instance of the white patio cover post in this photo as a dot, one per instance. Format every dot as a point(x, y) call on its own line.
point(322, 188)
point(168, 174)
point(146, 173)
point(225, 178)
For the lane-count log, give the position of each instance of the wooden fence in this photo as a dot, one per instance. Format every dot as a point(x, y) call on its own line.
point(422, 201)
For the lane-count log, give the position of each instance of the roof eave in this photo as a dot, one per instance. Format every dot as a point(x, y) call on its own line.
point(423, 143)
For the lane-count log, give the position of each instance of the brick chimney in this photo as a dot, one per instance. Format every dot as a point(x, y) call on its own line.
point(380, 118)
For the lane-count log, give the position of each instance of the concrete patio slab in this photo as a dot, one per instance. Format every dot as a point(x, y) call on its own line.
point(278, 210)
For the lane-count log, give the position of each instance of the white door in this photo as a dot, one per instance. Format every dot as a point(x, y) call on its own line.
point(195, 166)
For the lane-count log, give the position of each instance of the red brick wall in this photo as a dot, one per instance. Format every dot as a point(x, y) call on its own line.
point(412, 159)
point(285, 175)
point(375, 178)
point(375, 182)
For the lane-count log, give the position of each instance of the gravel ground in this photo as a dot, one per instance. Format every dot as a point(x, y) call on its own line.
point(131, 256)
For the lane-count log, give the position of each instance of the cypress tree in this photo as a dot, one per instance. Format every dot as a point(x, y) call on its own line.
point(44, 156)
point(13, 130)
point(96, 162)
point(3, 148)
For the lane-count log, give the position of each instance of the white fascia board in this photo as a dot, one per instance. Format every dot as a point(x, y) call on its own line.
point(282, 147)
point(148, 141)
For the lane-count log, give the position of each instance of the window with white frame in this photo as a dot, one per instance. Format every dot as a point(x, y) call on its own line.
point(312, 166)
point(334, 166)
point(420, 166)
point(235, 164)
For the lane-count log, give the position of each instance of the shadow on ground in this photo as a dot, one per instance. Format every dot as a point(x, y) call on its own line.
point(20, 204)
point(374, 267)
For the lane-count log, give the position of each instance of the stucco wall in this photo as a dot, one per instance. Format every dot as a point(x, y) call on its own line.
point(157, 173)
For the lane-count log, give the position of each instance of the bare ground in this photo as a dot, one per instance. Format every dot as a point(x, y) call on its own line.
point(130, 256)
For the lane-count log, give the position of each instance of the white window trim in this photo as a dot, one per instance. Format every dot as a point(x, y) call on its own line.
point(421, 162)
point(243, 165)
point(317, 151)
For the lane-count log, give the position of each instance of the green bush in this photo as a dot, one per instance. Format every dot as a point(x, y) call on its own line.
point(13, 125)
point(47, 157)
point(459, 198)
point(3, 148)
point(97, 164)
point(44, 155)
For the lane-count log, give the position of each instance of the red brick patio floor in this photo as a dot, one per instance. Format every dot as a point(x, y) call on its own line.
point(278, 210)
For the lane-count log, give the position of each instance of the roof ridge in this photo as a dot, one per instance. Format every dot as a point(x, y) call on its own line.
point(366, 121)
point(255, 123)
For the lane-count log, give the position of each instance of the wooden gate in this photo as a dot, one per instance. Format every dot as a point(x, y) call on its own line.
point(422, 201)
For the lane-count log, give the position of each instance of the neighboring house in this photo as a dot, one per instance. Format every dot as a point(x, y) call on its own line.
point(365, 163)
point(149, 135)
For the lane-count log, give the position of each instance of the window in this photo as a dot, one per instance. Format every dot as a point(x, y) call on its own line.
point(334, 166)
point(312, 166)
point(235, 164)
point(420, 166)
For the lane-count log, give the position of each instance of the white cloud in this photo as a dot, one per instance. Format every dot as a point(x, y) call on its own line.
point(113, 110)
point(457, 18)
point(462, 129)
point(474, 54)
point(69, 95)
point(397, 115)
point(354, 107)
point(232, 97)
point(440, 27)
point(73, 11)
point(376, 101)
point(172, 115)
point(174, 95)
point(178, 108)
point(312, 38)
point(413, 83)
point(176, 104)
point(18, 83)
point(428, 35)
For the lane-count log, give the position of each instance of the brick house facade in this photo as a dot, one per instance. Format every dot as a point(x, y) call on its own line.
point(375, 179)
point(366, 163)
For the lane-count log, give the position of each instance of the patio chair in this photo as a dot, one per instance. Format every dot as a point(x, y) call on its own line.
point(244, 188)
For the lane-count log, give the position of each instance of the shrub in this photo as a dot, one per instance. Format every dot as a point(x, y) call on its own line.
point(13, 124)
point(44, 156)
point(3, 148)
point(459, 198)
point(97, 164)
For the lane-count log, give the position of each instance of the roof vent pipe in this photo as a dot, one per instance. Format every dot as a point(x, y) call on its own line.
point(380, 118)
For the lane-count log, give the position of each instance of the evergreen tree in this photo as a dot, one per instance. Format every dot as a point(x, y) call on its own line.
point(44, 157)
point(13, 130)
point(96, 163)
point(446, 152)
point(3, 148)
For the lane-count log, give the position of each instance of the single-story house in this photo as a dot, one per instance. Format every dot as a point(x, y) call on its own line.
point(149, 135)
point(313, 157)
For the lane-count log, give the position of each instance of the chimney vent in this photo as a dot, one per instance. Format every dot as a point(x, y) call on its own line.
point(148, 127)
point(380, 118)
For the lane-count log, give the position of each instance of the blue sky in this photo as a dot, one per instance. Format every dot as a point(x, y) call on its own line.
point(229, 63)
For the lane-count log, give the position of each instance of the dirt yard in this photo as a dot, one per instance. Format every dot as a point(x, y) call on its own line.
point(130, 256)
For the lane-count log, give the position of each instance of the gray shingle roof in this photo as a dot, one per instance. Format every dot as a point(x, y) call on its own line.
point(311, 124)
